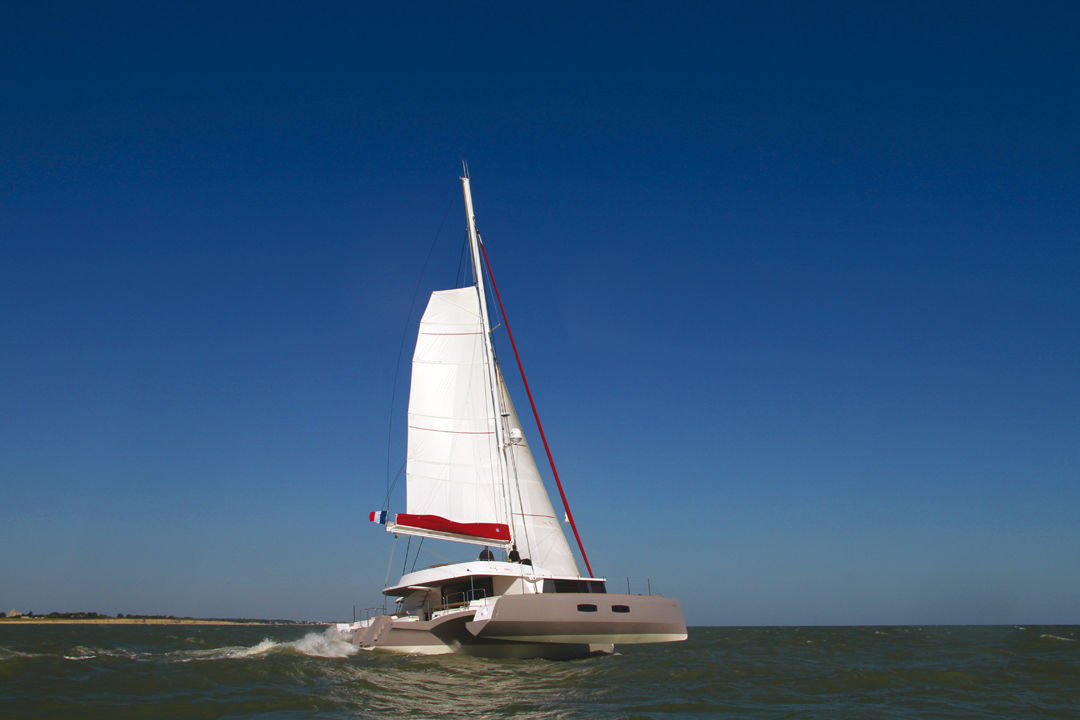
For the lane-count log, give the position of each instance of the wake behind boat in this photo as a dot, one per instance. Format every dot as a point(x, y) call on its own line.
point(471, 479)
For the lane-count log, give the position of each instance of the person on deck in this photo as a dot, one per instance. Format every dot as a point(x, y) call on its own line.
point(486, 554)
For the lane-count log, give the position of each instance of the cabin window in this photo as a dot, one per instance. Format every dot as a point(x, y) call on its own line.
point(574, 586)
point(463, 591)
point(586, 607)
point(620, 608)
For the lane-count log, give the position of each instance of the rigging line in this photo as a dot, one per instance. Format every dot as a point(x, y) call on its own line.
point(445, 559)
point(509, 461)
point(503, 390)
point(401, 349)
point(502, 417)
point(459, 276)
point(390, 560)
point(417, 555)
point(406, 560)
point(397, 479)
point(536, 415)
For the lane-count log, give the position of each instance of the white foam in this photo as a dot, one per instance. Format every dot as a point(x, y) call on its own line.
point(9, 654)
point(224, 653)
point(326, 644)
point(261, 648)
point(81, 652)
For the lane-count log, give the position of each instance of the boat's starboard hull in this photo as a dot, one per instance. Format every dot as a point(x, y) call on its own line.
point(581, 618)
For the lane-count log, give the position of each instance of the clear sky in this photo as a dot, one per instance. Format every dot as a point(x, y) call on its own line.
point(796, 285)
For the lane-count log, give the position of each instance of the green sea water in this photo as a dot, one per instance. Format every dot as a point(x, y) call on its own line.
point(120, 671)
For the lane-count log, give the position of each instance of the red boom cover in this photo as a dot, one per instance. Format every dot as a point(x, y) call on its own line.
point(496, 532)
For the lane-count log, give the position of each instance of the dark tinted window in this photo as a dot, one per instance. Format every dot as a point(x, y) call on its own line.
point(586, 607)
point(464, 591)
point(574, 586)
point(620, 608)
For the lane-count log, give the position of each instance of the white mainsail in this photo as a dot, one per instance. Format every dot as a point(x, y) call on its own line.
point(452, 467)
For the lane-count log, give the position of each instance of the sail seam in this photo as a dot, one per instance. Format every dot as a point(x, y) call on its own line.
point(455, 432)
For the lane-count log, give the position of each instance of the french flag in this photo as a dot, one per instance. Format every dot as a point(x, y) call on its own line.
point(378, 516)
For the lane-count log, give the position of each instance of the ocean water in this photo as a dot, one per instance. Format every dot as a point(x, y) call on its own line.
point(123, 671)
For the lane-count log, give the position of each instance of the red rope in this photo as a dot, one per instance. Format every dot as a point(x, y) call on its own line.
point(536, 415)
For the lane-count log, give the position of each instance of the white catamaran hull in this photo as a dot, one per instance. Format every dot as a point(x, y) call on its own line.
point(472, 479)
point(529, 626)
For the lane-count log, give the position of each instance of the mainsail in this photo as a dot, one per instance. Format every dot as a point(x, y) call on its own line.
point(452, 467)
point(454, 479)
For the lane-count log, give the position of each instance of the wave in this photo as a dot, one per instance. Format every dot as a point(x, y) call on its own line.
point(1048, 636)
point(9, 654)
point(82, 652)
point(322, 645)
point(327, 645)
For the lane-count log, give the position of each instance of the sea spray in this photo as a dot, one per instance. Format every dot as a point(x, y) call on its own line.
point(328, 644)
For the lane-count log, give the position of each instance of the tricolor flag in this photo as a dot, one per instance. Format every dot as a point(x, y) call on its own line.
point(378, 516)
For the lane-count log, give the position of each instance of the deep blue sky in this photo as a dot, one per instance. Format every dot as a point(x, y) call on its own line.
point(796, 286)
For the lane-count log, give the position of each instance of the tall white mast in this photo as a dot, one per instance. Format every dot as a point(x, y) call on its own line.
point(493, 380)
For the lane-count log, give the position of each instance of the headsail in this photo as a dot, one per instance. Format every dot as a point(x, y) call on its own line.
point(537, 530)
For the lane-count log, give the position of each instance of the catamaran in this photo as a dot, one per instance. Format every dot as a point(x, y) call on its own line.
point(471, 479)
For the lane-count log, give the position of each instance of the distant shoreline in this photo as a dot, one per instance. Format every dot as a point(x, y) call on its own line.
point(141, 621)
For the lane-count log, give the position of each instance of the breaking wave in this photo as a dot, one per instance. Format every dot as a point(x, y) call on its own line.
point(327, 644)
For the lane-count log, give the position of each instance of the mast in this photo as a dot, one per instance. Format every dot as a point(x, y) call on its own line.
point(493, 381)
point(468, 481)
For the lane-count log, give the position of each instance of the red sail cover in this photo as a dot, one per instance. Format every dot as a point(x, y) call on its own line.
point(496, 532)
